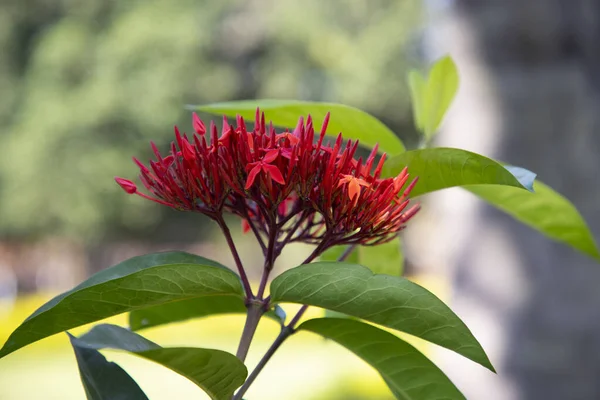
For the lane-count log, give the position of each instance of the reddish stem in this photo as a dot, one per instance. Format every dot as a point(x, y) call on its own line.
point(236, 257)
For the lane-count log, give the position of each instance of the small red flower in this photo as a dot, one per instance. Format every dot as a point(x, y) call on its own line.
point(264, 165)
point(354, 185)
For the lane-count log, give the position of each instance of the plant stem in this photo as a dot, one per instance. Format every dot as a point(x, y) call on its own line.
point(347, 252)
point(253, 316)
point(286, 331)
point(283, 335)
point(236, 258)
point(269, 259)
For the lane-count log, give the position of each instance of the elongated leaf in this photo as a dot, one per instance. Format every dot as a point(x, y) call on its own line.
point(545, 211)
point(410, 374)
point(217, 372)
point(391, 301)
point(352, 122)
point(441, 168)
point(104, 380)
point(442, 84)
point(184, 310)
point(133, 284)
point(417, 84)
point(386, 258)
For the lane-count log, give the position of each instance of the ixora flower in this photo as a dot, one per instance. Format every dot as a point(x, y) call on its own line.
point(289, 186)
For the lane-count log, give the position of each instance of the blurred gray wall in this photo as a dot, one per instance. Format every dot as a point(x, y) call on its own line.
point(530, 85)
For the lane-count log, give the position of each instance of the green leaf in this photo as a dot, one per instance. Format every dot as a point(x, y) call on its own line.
point(417, 84)
point(386, 258)
point(441, 168)
point(104, 380)
point(184, 310)
point(133, 284)
point(352, 122)
point(217, 372)
point(545, 211)
point(409, 374)
point(391, 301)
point(442, 85)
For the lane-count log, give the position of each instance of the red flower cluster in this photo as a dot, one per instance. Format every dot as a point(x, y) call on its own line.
point(290, 186)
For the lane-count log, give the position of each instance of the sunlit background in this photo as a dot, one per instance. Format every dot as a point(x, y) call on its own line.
point(86, 84)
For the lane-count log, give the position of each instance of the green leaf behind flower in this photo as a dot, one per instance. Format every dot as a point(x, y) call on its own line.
point(351, 122)
point(441, 168)
point(545, 210)
point(432, 95)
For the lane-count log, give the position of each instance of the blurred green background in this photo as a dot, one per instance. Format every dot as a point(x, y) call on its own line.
point(86, 84)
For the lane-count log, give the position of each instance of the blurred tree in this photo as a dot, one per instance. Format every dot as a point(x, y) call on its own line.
point(86, 84)
point(530, 95)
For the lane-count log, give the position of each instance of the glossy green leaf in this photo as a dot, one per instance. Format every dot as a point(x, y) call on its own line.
point(417, 84)
point(104, 380)
point(386, 258)
point(333, 254)
point(391, 301)
point(545, 211)
point(352, 122)
point(409, 374)
point(442, 84)
point(217, 372)
point(441, 168)
point(133, 284)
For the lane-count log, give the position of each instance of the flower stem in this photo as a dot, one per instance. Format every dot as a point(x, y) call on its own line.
point(347, 252)
point(286, 331)
point(253, 316)
point(283, 335)
point(269, 259)
point(236, 257)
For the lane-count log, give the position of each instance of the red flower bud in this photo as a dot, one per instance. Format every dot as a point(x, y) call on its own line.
point(127, 185)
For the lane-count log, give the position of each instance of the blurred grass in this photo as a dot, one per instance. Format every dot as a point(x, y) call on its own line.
point(47, 369)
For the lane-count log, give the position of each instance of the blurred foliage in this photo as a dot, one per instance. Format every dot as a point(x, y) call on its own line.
point(86, 84)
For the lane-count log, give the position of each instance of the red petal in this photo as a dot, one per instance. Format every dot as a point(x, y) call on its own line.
point(126, 184)
point(188, 151)
point(252, 165)
point(199, 126)
point(353, 189)
point(274, 173)
point(252, 176)
point(270, 156)
point(143, 168)
point(225, 127)
point(245, 226)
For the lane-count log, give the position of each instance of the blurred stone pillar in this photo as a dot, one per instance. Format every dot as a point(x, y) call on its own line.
point(530, 85)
